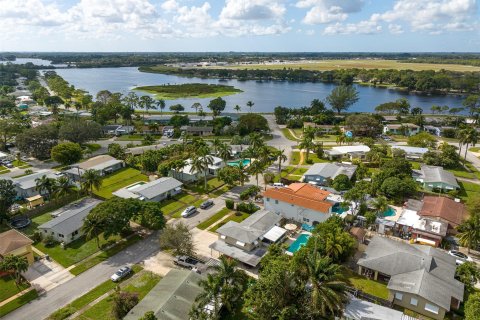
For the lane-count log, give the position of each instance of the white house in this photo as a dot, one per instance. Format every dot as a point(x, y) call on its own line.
point(103, 164)
point(187, 174)
point(351, 152)
point(301, 202)
point(156, 190)
point(412, 153)
point(406, 129)
point(26, 186)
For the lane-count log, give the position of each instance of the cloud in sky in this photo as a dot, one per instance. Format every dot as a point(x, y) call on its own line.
point(216, 19)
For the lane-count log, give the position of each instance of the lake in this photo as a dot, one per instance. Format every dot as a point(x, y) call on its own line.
point(265, 94)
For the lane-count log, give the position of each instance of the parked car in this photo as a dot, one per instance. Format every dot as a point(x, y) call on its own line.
point(121, 273)
point(9, 165)
point(189, 211)
point(206, 204)
point(278, 185)
point(186, 261)
point(461, 257)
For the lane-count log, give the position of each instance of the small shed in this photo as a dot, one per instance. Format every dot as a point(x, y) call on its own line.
point(34, 201)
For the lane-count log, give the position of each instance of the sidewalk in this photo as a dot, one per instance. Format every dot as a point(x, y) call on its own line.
point(21, 293)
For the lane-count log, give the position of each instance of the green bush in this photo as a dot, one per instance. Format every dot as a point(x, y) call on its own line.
point(230, 204)
point(249, 207)
point(49, 241)
point(249, 192)
point(37, 236)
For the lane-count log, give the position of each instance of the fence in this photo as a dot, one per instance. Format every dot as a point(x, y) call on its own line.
point(53, 204)
point(368, 297)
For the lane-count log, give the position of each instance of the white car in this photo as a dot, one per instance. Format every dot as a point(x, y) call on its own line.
point(121, 273)
point(188, 211)
point(461, 257)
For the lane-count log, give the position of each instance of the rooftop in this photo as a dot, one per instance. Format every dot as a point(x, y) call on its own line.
point(98, 162)
point(444, 208)
point(409, 149)
point(12, 240)
point(28, 181)
point(434, 174)
point(405, 125)
point(350, 149)
point(303, 195)
point(363, 310)
point(331, 170)
point(150, 189)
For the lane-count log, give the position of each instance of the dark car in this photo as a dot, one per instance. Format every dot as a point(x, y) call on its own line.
point(206, 204)
point(121, 273)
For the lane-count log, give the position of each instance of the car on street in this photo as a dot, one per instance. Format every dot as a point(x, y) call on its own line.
point(188, 211)
point(206, 204)
point(460, 257)
point(186, 261)
point(121, 273)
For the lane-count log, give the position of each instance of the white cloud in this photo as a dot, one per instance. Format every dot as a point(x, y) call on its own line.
point(326, 11)
point(395, 28)
point(363, 27)
point(170, 5)
point(252, 9)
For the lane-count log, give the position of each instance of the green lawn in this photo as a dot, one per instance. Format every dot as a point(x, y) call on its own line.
point(474, 149)
point(76, 250)
point(369, 286)
point(415, 165)
point(20, 163)
point(18, 302)
point(187, 198)
point(217, 216)
point(469, 190)
point(130, 137)
point(119, 179)
point(286, 132)
point(9, 287)
point(199, 187)
point(93, 261)
point(37, 221)
point(313, 157)
point(326, 138)
point(295, 157)
point(141, 285)
point(87, 298)
point(237, 217)
point(92, 147)
point(171, 206)
point(462, 173)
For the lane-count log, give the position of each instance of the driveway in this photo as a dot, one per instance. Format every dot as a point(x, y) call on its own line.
point(202, 239)
point(202, 215)
point(45, 275)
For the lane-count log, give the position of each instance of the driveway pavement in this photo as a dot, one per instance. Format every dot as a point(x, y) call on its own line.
point(202, 215)
point(45, 275)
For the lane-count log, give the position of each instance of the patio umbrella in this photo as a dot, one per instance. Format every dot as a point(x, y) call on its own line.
point(290, 227)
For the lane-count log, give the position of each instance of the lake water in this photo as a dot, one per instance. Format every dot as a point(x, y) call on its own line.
point(37, 62)
point(265, 94)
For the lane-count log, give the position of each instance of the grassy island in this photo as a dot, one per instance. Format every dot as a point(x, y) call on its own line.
point(190, 90)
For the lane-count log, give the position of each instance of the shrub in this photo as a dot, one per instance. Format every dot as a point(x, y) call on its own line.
point(28, 171)
point(49, 241)
point(37, 236)
point(309, 161)
point(230, 204)
point(249, 192)
point(249, 207)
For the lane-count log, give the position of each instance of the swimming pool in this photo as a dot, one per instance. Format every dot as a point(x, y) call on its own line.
point(390, 212)
point(338, 209)
point(135, 186)
point(298, 243)
point(236, 163)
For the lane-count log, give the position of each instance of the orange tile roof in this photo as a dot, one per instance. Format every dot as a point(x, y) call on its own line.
point(12, 240)
point(301, 194)
point(444, 208)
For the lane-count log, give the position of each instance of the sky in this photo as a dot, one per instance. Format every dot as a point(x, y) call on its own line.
point(240, 25)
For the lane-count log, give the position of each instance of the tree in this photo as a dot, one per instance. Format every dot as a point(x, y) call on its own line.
point(251, 122)
point(281, 157)
point(224, 152)
point(7, 197)
point(92, 227)
point(45, 185)
point(177, 108)
point(91, 180)
point(237, 108)
point(422, 140)
point(67, 153)
point(468, 136)
point(342, 97)
point(38, 141)
point(469, 231)
point(256, 168)
point(116, 151)
point(364, 125)
point(250, 105)
point(147, 103)
point(472, 306)
point(64, 187)
point(53, 102)
point(472, 103)
point(307, 144)
point(201, 162)
point(123, 302)
point(150, 216)
point(177, 238)
point(397, 189)
point(341, 182)
point(80, 131)
point(17, 264)
point(217, 105)
point(11, 125)
point(209, 295)
point(380, 204)
point(268, 177)
point(469, 274)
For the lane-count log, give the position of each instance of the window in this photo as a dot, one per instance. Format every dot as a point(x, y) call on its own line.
point(268, 199)
point(60, 235)
point(413, 301)
point(306, 220)
point(431, 308)
point(276, 201)
point(240, 244)
point(398, 295)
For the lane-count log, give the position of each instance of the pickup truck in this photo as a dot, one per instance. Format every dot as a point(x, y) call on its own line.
point(187, 262)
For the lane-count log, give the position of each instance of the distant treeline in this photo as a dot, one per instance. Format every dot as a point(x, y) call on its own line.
point(445, 60)
point(421, 81)
point(9, 72)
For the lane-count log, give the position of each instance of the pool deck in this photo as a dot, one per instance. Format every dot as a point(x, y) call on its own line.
point(398, 213)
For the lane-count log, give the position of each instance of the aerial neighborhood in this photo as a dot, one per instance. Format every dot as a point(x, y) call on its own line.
point(132, 204)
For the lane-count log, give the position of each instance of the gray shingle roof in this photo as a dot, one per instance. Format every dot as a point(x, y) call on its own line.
point(416, 269)
point(72, 219)
point(432, 174)
point(331, 170)
point(252, 228)
point(154, 188)
point(28, 181)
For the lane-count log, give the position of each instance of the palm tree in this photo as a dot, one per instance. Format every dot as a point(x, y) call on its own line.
point(468, 136)
point(237, 108)
point(250, 105)
point(201, 162)
point(64, 187)
point(224, 152)
point(160, 103)
point(242, 173)
point(216, 144)
point(256, 140)
point(268, 178)
point(469, 231)
point(45, 184)
point(327, 294)
point(249, 153)
point(307, 144)
point(340, 139)
point(91, 180)
point(16, 264)
point(281, 157)
point(309, 132)
point(256, 167)
point(153, 127)
point(92, 228)
point(210, 294)
point(380, 205)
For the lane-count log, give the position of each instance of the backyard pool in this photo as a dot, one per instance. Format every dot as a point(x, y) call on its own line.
point(298, 243)
point(390, 212)
point(135, 186)
point(338, 209)
point(236, 163)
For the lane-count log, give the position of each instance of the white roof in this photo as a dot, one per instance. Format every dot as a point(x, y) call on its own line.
point(408, 149)
point(350, 149)
point(274, 234)
point(217, 164)
point(408, 218)
point(3, 154)
point(360, 310)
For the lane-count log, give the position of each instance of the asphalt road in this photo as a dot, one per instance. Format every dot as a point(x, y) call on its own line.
point(65, 293)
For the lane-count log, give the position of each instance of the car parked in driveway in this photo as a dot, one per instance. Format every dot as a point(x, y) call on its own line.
point(121, 273)
point(206, 204)
point(460, 257)
point(188, 211)
point(186, 261)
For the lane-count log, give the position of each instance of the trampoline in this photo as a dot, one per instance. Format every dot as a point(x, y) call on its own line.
point(20, 222)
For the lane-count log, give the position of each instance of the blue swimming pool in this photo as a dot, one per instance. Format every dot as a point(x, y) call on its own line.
point(338, 209)
point(236, 163)
point(390, 212)
point(298, 243)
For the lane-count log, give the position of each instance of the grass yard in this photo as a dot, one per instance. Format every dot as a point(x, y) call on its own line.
point(217, 216)
point(326, 138)
point(463, 173)
point(92, 147)
point(170, 206)
point(237, 217)
point(20, 163)
point(93, 261)
point(141, 285)
point(314, 157)
point(119, 179)
point(9, 287)
point(199, 187)
point(474, 149)
point(18, 302)
point(415, 165)
point(187, 198)
point(286, 132)
point(130, 137)
point(76, 250)
point(364, 284)
point(37, 221)
point(295, 157)
point(469, 190)
point(189, 90)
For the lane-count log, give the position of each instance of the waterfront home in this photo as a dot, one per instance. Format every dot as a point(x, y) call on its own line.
point(103, 164)
point(436, 131)
point(186, 174)
point(301, 202)
point(349, 152)
point(247, 241)
point(324, 128)
point(406, 129)
point(412, 153)
point(67, 225)
point(156, 190)
point(322, 173)
point(117, 130)
point(197, 131)
point(420, 278)
point(16, 243)
point(433, 177)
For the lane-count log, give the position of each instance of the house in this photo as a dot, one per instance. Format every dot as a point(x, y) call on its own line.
point(422, 230)
point(67, 225)
point(237, 149)
point(357, 309)
point(156, 190)
point(197, 131)
point(433, 177)
point(420, 278)
point(323, 128)
point(26, 186)
point(406, 129)
point(188, 175)
point(13, 242)
point(103, 164)
point(412, 153)
point(301, 202)
point(172, 298)
point(350, 152)
point(321, 173)
point(444, 209)
point(117, 130)
point(436, 131)
point(246, 241)
point(390, 118)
